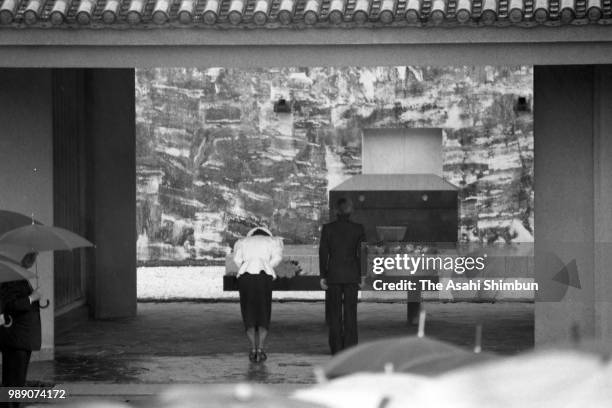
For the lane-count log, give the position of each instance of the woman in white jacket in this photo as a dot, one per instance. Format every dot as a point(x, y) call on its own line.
point(256, 256)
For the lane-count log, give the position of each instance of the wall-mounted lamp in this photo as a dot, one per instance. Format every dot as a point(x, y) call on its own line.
point(522, 105)
point(282, 106)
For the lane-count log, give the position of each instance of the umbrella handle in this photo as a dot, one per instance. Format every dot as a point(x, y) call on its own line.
point(421, 330)
point(45, 306)
point(10, 320)
point(320, 376)
point(478, 342)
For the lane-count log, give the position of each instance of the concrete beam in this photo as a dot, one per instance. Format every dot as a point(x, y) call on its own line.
point(247, 56)
point(590, 44)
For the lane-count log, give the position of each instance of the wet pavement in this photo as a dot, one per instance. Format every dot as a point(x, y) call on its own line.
point(170, 343)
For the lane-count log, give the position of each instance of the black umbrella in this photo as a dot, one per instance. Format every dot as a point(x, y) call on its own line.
point(412, 354)
point(396, 354)
point(10, 220)
point(14, 253)
point(440, 364)
point(10, 271)
point(40, 238)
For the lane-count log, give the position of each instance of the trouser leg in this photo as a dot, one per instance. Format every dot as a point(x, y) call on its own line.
point(327, 307)
point(334, 315)
point(413, 307)
point(14, 370)
point(350, 292)
point(15, 367)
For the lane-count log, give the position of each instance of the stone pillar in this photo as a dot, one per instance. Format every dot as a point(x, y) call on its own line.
point(573, 197)
point(602, 185)
point(110, 113)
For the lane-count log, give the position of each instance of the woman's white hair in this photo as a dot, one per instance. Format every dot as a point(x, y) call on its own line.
point(264, 229)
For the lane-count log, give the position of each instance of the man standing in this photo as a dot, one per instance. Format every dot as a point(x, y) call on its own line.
point(23, 334)
point(341, 275)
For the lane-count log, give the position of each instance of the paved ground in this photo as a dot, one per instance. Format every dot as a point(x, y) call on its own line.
point(204, 343)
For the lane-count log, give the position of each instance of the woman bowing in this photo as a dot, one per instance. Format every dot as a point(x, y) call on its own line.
point(256, 256)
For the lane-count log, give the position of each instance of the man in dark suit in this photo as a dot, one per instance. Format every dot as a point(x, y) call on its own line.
point(341, 275)
point(19, 305)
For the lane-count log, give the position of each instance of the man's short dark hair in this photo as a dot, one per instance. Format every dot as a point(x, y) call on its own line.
point(28, 260)
point(344, 206)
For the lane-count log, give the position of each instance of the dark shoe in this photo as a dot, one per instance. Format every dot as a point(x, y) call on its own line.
point(261, 356)
point(253, 356)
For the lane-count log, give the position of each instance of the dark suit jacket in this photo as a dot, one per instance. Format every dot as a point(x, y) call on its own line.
point(25, 333)
point(340, 250)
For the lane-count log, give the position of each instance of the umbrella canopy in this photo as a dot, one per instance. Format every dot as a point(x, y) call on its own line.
point(44, 238)
point(10, 271)
point(552, 379)
point(95, 404)
point(443, 363)
point(366, 390)
point(14, 253)
point(400, 353)
point(10, 220)
point(227, 396)
point(598, 348)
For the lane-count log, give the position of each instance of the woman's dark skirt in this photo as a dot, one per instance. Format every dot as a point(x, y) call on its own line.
point(255, 299)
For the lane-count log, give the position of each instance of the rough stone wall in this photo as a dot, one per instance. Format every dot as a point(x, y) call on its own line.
point(214, 159)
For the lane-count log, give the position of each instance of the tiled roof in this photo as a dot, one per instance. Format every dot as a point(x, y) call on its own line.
point(300, 13)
